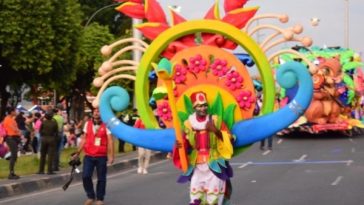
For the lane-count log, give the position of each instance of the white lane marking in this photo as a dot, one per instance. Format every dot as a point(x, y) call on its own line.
point(337, 180)
point(266, 152)
point(301, 159)
point(253, 181)
point(78, 183)
point(351, 140)
point(296, 162)
point(244, 165)
point(349, 162)
point(353, 150)
point(279, 141)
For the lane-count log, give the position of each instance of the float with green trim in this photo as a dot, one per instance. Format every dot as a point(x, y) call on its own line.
point(211, 55)
point(337, 103)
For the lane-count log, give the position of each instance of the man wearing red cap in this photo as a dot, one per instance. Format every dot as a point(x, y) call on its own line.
point(208, 147)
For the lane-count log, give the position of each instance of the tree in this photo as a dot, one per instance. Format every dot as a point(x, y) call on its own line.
point(118, 23)
point(89, 59)
point(105, 26)
point(38, 46)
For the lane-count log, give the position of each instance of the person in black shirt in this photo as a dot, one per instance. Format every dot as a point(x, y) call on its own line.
point(49, 139)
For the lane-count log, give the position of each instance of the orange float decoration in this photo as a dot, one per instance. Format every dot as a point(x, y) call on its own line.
point(192, 57)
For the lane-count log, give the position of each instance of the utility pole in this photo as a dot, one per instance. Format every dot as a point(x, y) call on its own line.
point(347, 24)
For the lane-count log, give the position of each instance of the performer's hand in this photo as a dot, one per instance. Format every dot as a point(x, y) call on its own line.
point(210, 126)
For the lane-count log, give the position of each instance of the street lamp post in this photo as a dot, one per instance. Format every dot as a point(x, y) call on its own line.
point(96, 12)
point(346, 23)
point(137, 54)
point(138, 35)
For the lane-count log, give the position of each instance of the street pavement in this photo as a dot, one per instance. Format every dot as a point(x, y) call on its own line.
point(36, 183)
point(300, 170)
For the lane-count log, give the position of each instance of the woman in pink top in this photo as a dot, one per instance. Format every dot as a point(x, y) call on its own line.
point(37, 124)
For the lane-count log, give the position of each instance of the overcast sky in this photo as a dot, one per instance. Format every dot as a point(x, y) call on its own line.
point(330, 31)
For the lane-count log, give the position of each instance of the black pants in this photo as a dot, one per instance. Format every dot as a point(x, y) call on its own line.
point(35, 145)
point(13, 142)
point(26, 146)
point(270, 142)
point(49, 146)
point(57, 155)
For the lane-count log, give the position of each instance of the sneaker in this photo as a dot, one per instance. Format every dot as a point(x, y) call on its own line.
point(145, 171)
point(7, 156)
point(89, 202)
point(13, 176)
point(140, 170)
point(98, 202)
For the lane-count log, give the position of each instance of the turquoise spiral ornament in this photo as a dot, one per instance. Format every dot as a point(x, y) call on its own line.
point(117, 99)
point(256, 129)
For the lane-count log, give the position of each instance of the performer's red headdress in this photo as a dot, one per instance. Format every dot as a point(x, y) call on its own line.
point(198, 98)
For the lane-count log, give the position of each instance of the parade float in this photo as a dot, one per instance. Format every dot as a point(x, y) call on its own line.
point(337, 90)
point(212, 55)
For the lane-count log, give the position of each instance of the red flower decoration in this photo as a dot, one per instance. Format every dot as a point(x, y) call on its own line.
point(175, 92)
point(197, 64)
point(245, 99)
point(234, 80)
point(219, 67)
point(180, 74)
point(164, 111)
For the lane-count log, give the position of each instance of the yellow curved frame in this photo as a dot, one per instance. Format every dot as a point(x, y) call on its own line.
point(190, 27)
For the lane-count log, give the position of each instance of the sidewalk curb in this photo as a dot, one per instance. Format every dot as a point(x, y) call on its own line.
point(34, 185)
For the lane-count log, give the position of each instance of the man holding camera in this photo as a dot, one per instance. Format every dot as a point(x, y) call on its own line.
point(97, 144)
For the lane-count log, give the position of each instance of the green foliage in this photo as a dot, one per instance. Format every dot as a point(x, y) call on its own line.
point(29, 164)
point(66, 18)
point(183, 116)
point(352, 65)
point(188, 105)
point(26, 40)
point(159, 93)
point(101, 12)
point(217, 108)
point(40, 41)
point(93, 38)
point(229, 115)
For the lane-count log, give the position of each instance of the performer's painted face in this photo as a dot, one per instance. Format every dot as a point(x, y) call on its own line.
point(201, 110)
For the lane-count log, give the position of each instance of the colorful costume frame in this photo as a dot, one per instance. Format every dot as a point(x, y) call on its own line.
point(205, 65)
point(163, 140)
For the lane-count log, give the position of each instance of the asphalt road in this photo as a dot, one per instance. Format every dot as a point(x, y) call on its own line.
point(324, 170)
